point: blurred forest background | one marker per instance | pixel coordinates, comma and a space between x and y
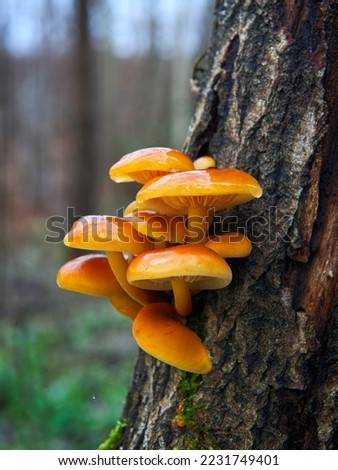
82, 82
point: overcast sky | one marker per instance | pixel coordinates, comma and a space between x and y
123, 24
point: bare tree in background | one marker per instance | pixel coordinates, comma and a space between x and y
268, 105
84, 159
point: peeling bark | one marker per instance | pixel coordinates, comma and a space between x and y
267, 104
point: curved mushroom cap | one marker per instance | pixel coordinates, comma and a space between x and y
217, 188
205, 162
89, 274
106, 233
158, 332
199, 266
230, 245
159, 207
160, 227
130, 209
144, 164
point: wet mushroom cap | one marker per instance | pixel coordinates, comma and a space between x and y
212, 188
230, 245
157, 331
88, 274
197, 265
106, 233
147, 163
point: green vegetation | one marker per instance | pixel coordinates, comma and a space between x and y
187, 387
62, 388
111, 442
189, 418
65, 360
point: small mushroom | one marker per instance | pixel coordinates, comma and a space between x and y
179, 268
160, 227
205, 162
158, 207
115, 236
196, 192
91, 275
230, 245
158, 331
144, 164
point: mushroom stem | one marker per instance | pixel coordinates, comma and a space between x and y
182, 296
125, 304
119, 267
198, 225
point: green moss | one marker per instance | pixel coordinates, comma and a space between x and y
187, 387
189, 417
111, 443
189, 422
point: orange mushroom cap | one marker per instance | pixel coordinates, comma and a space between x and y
212, 188
130, 209
144, 164
115, 236
92, 275
179, 268
230, 245
158, 332
106, 233
158, 207
88, 274
196, 192
199, 266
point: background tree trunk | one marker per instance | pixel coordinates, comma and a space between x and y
268, 105
82, 93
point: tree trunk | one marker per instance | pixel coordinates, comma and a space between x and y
84, 157
267, 105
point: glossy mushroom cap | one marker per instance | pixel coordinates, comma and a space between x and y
106, 233
212, 188
197, 265
147, 163
157, 331
115, 236
89, 274
230, 245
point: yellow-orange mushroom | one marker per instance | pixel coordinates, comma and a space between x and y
158, 331
144, 164
179, 268
194, 193
91, 275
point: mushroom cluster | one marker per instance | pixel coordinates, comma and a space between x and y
159, 254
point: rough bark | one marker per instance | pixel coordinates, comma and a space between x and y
267, 104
